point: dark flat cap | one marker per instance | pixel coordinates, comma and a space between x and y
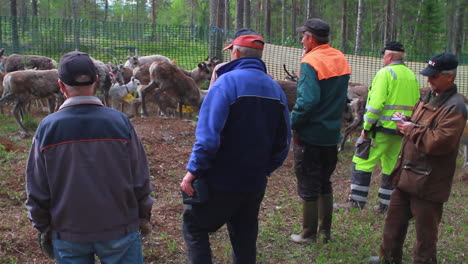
393, 45
440, 62
315, 26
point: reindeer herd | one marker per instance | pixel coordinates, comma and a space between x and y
139, 80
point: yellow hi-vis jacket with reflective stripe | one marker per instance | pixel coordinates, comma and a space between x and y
394, 89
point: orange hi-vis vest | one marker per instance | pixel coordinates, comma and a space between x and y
328, 62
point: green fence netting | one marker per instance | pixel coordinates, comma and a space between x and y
112, 42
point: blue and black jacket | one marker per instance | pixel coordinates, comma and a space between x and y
87, 174
243, 133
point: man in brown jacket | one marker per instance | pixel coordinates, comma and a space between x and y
424, 172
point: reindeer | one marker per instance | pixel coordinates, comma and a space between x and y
174, 82
17, 62
201, 73
21, 86
135, 61
290, 90
118, 92
104, 76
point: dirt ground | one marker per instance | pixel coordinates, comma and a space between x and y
168, 144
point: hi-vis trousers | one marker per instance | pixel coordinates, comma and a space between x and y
385, 148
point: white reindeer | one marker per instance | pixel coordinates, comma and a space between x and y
118, 92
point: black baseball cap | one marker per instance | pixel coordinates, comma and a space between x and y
316, 26
244, 31
77, 64
440, 62
393, 45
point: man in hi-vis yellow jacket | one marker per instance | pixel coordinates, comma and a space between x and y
394, 89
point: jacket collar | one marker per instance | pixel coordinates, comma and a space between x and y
442, 98
242, 63
77, 100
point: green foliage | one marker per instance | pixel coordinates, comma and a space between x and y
5, 156
30, 123
52, 39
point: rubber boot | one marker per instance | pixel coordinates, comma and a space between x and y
325, 213
309, 223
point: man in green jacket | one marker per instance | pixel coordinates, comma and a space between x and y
394, 89
316, 122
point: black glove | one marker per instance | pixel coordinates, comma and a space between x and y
145, 227
45, 242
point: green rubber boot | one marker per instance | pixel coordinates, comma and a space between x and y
309, 224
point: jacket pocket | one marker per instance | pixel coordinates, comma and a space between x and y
413, 177
363, 147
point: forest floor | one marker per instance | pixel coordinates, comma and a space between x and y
168, 143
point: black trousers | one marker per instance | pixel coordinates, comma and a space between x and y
314, 166
238, 210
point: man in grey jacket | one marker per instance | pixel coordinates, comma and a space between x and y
87, 176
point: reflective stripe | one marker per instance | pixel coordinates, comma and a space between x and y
392, 72
385, 118
370, 120
398, 107
358, 198
373, 110
384, 201
359, 188
385, 191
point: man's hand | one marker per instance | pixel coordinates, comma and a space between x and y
296, 139
186, 184
363, 134
45, 243
145, 227
402, 126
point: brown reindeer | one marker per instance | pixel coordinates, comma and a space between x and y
17, 62
22, 86
135, 61
171, 80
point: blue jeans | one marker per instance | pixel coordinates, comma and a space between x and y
124, 250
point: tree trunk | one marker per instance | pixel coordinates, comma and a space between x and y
311, 9
387, 21
227, 16
293, 18
283, 20
344, 18
267, 18
460, 34
247, 13
357, 45
192, 12
213, 10
239, 14
35, 10
14, 27
106, 10
76, 24
221, 11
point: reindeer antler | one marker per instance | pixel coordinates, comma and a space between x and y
292, 77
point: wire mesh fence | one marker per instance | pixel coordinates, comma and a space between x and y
112, 42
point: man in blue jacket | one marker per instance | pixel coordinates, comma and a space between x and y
87, 177
243, 135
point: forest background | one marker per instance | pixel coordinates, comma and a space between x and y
189, 30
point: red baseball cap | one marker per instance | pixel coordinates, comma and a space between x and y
247, 41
